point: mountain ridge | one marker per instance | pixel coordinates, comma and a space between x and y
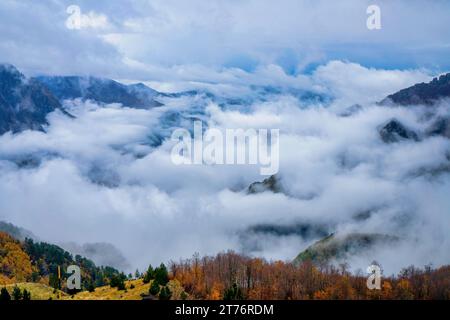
24, 103
421, 93
101, 90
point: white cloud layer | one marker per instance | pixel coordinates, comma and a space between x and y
97, 178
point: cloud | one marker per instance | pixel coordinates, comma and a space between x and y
134, 38
99, 178
36, 40
352, 82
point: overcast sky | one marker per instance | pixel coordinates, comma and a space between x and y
164, 39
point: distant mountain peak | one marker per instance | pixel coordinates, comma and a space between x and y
341, 247
24, 103
9, 77
421, 93
395, 131
7, 67
101, 90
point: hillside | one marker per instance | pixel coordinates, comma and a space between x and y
135, 290
16, 232
15, 263
38, 291
38, 262
231, 276
336, 247
34, 266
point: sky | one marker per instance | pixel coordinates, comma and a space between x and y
160, 40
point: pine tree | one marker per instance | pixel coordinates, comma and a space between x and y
165, 293
118, 281
121, 285
149, 275
26, 295
233, 293
54, 281
17, 294
4, 295
154, 288
91, 287
161, 275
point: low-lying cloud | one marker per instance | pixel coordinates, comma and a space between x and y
100, 178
